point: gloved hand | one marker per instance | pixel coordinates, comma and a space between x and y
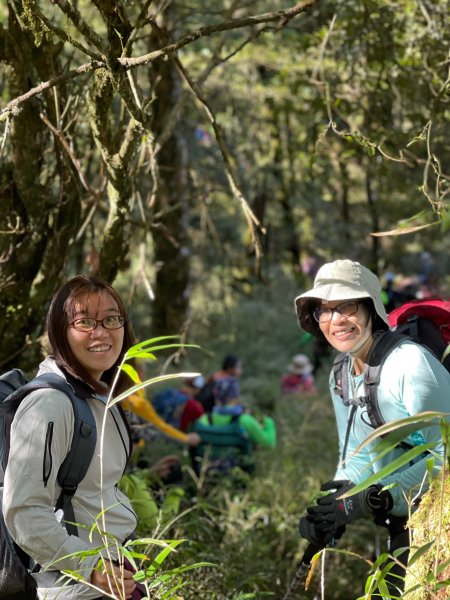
318, 535
335, 512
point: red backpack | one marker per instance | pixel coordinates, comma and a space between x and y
426, 322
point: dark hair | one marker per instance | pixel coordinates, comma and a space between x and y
230, 362
61, 313
378, 324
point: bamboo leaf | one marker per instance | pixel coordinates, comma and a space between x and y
140, 386
420, 420
404, 230
390, 468
131, 372
420, 552
446, 353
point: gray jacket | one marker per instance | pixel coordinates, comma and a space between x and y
98, 505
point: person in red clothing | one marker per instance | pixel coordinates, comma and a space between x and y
193, 409
299, 379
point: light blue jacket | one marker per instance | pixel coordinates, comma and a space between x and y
412, 380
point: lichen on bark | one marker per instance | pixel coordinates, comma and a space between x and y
431, 523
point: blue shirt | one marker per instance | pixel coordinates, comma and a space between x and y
412, 381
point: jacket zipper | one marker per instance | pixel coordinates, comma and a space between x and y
48, 459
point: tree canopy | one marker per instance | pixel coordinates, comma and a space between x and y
168, 140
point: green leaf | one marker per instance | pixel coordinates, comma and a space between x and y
420, 552
443, 566
393, 439
140, 386
139, 354
131, 372
420, 421
390, 468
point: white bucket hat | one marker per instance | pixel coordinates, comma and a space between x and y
300, 365
339, 280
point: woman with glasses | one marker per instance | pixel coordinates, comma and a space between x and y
345, 309
89, 334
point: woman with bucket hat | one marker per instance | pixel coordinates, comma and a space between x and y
345, 308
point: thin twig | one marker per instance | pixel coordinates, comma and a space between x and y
63, 35
57, 133
5, 136
72, 13
251, 218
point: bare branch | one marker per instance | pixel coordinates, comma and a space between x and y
140, 22
13, 107
63, 35
91, 36
5, 137
284, 15
58, 134
251, 218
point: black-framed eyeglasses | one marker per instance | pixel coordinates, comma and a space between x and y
322, 314
88, 324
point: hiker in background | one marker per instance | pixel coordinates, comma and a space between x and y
229, 411
172, 415
88, 333
299, 378
227, 378
192, 409
345, 308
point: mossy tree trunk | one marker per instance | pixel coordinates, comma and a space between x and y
39, 197
430, 524
170, 237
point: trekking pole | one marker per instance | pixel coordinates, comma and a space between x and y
301, 574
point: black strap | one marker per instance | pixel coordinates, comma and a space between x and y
347, 433
78, 459
383, 344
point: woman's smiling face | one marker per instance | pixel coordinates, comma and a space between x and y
96, 350
345, 332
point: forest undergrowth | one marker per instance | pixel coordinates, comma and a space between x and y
249, 529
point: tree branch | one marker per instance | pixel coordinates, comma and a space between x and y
13, 107
64, 36
251, 218
284, 15
91, 36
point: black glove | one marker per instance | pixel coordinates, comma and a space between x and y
319, 535
335, 512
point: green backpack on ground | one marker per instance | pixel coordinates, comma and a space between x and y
222, 447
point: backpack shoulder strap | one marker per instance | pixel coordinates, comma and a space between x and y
340, 373
382, 346
78, 459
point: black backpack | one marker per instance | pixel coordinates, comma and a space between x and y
415, 328
16, 583
207, 396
